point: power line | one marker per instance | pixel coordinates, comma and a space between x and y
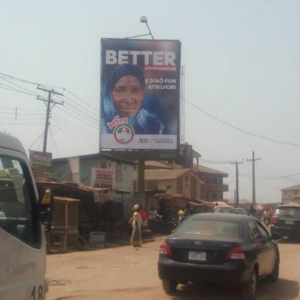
14, 108
54, 141
239, 129
35, 141
82, 114
82, 100
71, 127
91, 139
15, 90
84, 107
74, 136
14, 123
20, 87
30, 82
78, 118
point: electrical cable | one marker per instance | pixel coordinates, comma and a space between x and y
77, 118
54, 141
239, 129
75, 136
20, 86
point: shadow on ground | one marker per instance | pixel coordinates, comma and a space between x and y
282, 290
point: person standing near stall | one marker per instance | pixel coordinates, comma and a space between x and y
136, 238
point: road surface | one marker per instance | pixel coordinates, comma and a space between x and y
128, 273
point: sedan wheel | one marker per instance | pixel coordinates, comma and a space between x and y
249, 289
169, 286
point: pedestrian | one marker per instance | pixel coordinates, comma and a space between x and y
216, 206
181, 214
144, 215
252, 211
267, 217
153, 217
136, 238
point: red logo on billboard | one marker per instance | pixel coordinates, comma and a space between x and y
124, 134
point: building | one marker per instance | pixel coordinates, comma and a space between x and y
213, 187
79, 170
291, 194
174, 182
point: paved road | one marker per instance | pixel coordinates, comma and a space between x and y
126, 273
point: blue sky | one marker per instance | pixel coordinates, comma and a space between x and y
241, 59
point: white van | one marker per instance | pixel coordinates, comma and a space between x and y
22, 234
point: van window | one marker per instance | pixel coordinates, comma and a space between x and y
18, 215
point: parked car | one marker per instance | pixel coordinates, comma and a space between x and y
224, 209
239, 211
286, 221
228, 249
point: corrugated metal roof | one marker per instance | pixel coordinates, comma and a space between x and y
156, 164
204, 169
292, 188
164, 174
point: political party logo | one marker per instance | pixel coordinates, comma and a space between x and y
124, 134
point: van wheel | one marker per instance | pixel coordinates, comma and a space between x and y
275, 274
249, 289
169, 286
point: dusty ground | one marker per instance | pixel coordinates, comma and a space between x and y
126, 273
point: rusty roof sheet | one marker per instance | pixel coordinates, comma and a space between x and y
156, 164
292, 188
164, 174
203, 169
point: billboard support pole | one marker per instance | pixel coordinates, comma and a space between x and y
141, 175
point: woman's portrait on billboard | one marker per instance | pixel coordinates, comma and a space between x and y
124, 96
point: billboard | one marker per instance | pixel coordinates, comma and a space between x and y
102, 178
41, 165
140, 94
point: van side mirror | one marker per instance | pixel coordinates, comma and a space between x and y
46, 207
275, 237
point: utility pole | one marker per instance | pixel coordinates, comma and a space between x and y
48, 103
253, 177
236, 163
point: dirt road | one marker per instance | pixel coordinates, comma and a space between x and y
126, 273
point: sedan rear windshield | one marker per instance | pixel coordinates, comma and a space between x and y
209, 228
292, 212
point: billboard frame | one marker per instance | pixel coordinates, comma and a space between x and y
139, 152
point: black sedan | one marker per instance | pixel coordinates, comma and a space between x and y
286, 221
229, 249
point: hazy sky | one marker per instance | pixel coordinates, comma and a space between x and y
242, 66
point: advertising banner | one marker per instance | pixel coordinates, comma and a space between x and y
41, 165
140, 94
102, 178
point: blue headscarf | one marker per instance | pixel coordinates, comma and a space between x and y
143, 122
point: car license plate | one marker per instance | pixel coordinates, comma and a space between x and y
289, 222
193, 255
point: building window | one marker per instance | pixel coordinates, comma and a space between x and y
208, 180
168, 187
215, 181
295, 193
220, 180
187, 179
285, 192
215, 195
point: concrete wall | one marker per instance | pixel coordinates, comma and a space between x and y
288, 196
